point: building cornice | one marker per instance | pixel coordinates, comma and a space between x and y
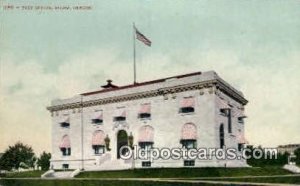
219, 85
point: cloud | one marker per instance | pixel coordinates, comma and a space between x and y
27, 88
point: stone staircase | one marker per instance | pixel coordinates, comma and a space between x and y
117, 164
60, 174
292, 168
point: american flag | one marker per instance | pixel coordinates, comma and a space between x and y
142, 38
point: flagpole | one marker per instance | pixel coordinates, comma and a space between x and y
134, 54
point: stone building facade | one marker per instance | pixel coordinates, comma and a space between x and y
197, 110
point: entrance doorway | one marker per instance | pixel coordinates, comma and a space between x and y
122, 140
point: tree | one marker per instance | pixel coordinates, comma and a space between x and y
44, 160
266, 158
297, 153
16, 156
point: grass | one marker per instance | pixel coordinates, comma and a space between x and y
177, 173
16, 182
185, 172
287, 179
27, 174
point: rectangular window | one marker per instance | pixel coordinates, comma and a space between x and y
145, 115
65, 125
66, 151
229, 121
97, 121
224, 112
119, 118
187, 110
241, 120
187, 105
65, 166
240, 146
99, 149
146, 145
188, 144
189, 163
146, 164
145, 111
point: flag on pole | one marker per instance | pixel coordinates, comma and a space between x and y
142, 38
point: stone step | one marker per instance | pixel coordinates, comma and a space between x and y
292, 168
60, 174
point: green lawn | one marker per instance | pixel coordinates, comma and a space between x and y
15, 182
185, 172
27, 174
290, 179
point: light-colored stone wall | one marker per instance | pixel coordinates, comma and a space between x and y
165, 119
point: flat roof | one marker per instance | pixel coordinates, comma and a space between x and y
140, 84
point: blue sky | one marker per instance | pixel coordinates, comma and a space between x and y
254, 45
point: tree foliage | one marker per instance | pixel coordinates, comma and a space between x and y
297, 153
44, 161
266, 159
18, 155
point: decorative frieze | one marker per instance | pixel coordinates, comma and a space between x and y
212, 85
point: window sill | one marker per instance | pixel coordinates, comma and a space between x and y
189, 113
97, 124
98, 154
145, 119
65, 156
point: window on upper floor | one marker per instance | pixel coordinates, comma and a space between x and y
119, 118
144, 115
65, 121
187, 110
187, 105
120, 115
240, 120
65, 125
145, 111
97, 121
224, 112
97, 118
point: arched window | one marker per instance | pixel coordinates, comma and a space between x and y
98, 143
188, 140
146, 135
65, 146
221, 136
188, 136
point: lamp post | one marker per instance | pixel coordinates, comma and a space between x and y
107, 141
